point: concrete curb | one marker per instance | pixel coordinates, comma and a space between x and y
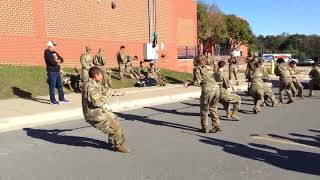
17, 123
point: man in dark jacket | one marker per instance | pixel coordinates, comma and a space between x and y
53, 61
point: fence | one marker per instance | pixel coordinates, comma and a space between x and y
187, 52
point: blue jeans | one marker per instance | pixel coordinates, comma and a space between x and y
54, 80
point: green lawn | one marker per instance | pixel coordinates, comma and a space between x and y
16, 81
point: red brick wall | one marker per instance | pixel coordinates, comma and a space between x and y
27, 25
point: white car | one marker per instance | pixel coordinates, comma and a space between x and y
308, 61
295, 60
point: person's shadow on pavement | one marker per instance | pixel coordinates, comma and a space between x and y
55, 136
292, 160
148, 120
27, 95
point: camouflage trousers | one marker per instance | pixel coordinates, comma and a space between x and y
298, 88
122, 69
313, 84
106, 77
108, 123
194, 78
85, 76
233, 72
260, 94
209, 103
227, 98
288, 87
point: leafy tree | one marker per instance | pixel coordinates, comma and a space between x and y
239, 32
203, 22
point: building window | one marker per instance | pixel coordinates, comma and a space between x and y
187, 52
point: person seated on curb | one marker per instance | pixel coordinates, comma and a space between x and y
315, 79
226, 97
96, 113
296, 83
129, 72
154, 76
142, 71
259, 90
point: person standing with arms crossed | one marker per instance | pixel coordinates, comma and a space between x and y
53, 61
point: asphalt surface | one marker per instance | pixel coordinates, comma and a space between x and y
280, 143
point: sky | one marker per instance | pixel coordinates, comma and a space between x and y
273, 17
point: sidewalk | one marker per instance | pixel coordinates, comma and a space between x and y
21, 113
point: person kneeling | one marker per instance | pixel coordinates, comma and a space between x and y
226, 97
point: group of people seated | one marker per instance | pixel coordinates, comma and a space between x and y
143, 76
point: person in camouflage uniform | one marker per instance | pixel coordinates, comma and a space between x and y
129, 72
315, 78
210, 94
296, 83
250, 66
154, 73
196, 63
259, 90
233, 68
211, 61
94, 102
226, 97
99, 61
122, 61
285, 81
86, 62
142, 71
249, 58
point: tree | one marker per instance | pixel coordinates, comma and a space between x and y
203, 22
239, 32
218, 28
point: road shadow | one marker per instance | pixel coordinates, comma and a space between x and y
55, 136
314, 143
292, 160
144, 119
28, 96
312, 130
246, 111
174, 111
172, 80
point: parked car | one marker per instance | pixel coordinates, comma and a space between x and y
308, 62
295, 60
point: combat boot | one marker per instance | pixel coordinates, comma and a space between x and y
215, 129
204, 130
123, 149
235, 115
229, 114
290, 101
275, 103
256, 110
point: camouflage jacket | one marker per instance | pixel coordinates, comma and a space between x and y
282, 70
99, 60
154, 73
293, 72
86, 61
204, 75
219, 77
122, 57
233, 62
258, 75
93, 101
314, 73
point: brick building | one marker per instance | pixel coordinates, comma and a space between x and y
27, 25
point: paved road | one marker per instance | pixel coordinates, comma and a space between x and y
280, 143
